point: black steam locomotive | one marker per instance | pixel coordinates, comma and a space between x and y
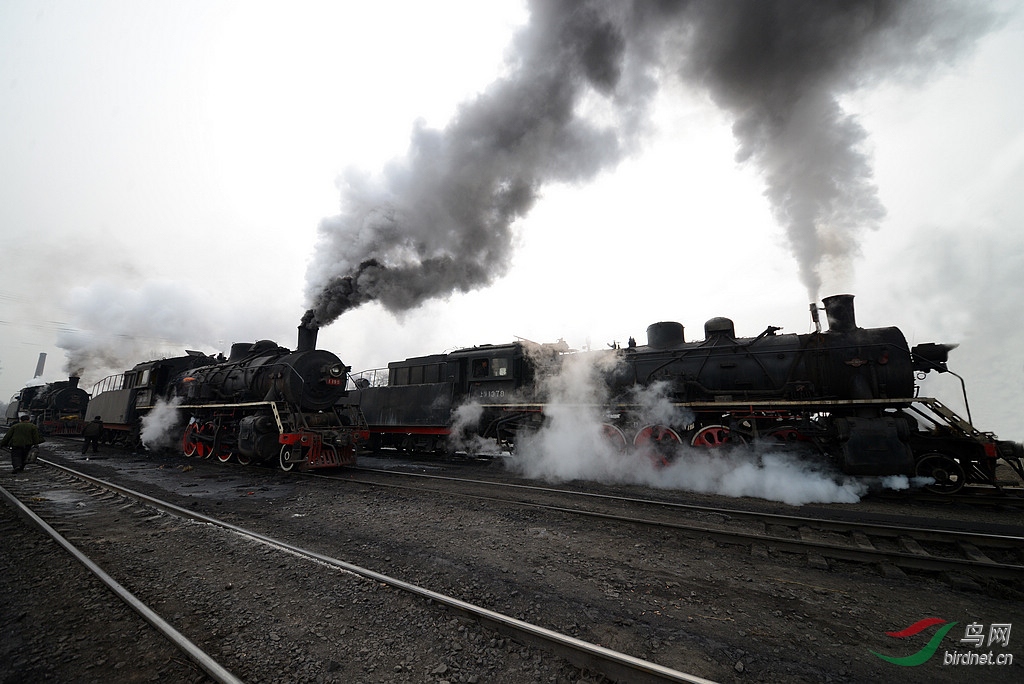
56, 407
264, 403
847, 393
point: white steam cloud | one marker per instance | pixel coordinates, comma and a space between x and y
121, 326
573, 444
161, 426
464, 435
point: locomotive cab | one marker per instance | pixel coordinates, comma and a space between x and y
490, 374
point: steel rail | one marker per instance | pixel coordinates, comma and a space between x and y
210, 666
836, 551
615, 665
879, 529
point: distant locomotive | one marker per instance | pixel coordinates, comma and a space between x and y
264, 403
848, 393
56, 407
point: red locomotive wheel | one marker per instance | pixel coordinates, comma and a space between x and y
663, 441
656, 434
188, 440
712, 436
205, 440
614, 437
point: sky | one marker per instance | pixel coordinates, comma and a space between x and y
193, 174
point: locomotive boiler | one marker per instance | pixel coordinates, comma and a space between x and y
838, 387
308, 378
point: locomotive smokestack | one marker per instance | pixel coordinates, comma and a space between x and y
308, 329
839, 311
73, 382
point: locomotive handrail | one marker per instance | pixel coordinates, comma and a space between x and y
108, 384
742, 403
229, 404
375, 376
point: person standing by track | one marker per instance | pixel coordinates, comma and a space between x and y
92, 433
21, 437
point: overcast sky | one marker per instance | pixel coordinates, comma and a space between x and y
166, 166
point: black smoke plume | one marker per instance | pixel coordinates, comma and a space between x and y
574, 101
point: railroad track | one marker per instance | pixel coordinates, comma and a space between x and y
1004, 497
956, 553
63, 522
614, 665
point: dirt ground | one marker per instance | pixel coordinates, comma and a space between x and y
722, 612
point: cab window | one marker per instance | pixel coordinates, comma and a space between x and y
432, 373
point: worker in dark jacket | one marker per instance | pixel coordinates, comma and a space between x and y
21, 437
92, 433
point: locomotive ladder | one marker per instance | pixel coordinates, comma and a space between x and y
951, 418
987, 439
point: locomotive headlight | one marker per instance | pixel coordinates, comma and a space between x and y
336, 371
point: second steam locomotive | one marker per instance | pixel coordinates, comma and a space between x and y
264, 403
847, 394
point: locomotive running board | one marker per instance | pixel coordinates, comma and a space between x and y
899, 402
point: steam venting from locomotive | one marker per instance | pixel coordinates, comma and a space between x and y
572, 445
439, 220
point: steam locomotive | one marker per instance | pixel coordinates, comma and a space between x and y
57, 408
847, 394
263, 403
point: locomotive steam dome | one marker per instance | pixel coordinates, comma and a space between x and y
719, 327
